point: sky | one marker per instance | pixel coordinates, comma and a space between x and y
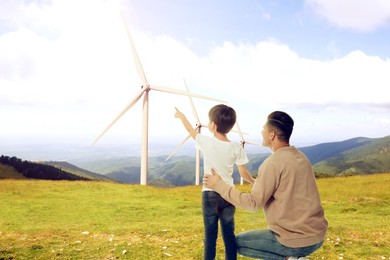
67, 70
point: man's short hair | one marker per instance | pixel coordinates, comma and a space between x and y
282, 124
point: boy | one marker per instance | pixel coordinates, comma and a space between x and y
219, 153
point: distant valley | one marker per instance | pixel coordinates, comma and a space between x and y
350, 157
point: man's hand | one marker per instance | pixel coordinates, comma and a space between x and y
210, 181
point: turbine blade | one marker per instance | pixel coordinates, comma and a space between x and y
135, 99
137, 61
178, 147
253, 143
239, 131
236, 131
192, 104
184, 93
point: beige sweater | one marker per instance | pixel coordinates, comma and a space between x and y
286, 190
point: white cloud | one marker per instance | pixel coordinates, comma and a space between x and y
272, 69
73, 76
361, 15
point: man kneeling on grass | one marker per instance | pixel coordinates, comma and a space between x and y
286, 189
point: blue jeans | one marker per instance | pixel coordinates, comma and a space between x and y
263, 244
216, 208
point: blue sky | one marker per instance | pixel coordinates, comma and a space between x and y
66, 67
299, 24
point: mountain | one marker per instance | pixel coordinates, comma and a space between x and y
325, 151
178, 171
9, 172
65, 166
357, 156
126, 175
13, 167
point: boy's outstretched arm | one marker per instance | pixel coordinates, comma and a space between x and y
245, 174
186, 123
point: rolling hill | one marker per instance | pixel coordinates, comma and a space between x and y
359, 156
325, 151
15, 168
354, 156
65, 166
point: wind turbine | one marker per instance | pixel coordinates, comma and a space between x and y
145, 88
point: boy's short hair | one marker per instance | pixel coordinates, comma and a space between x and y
224, 117
282, 123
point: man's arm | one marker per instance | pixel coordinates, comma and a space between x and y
252, 201
187, 125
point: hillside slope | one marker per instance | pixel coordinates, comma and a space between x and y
325, 151
8, 172
77, 171
370, 156
16, 168
358, 155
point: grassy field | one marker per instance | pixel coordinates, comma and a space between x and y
99, 220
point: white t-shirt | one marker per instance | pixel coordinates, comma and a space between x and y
221, 156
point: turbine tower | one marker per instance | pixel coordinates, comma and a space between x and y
145, 89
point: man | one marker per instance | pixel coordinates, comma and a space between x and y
286, 190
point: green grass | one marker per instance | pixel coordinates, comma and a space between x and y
102, 220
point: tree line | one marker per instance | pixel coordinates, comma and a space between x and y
37, 170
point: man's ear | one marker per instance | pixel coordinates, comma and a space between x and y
272, 135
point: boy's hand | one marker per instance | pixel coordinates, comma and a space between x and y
186, 123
